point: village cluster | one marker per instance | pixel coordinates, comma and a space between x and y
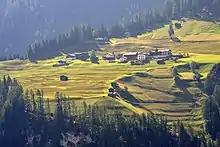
135, 58
141, 58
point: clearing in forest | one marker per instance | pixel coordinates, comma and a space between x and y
157, 93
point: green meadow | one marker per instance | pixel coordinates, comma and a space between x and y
156, 94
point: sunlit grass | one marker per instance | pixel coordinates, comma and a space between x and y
90, 82
85, 79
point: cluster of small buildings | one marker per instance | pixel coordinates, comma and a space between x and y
140, 56
73, 56
77, 56
136, 58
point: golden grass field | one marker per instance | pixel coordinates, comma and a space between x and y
157, 95
90, 82
87, 80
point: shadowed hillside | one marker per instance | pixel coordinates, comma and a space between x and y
24, 21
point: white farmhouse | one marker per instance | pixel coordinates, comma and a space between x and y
141, 56
160, 54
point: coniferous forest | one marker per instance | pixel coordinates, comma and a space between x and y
173, 9
27, 120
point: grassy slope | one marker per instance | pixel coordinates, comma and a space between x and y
86, 80
91, 81
190, 29
197, 37
157, 95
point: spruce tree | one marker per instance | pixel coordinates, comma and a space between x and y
34, 104
216, 94
101, 32
48, 106
15, 111
93, 57
183, 135
209, 84
40, 102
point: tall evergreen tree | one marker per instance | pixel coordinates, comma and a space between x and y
216, 94
14, 111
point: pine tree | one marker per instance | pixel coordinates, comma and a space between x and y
9, 80
93, 57
85, 108
48, 106
116, 31
83, 33
183, 135
101, 32
34, 104
59, 122
59, 112
171, 30
176, 9
65, 107
40, 101
69, 108
174, 72
15, 110
89, 33
218, 140
168, 10
216, 94
76, 36
209, 84
193, 65
207, 113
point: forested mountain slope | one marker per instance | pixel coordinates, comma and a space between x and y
23, 21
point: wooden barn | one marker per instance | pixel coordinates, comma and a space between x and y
109, 56
131, 56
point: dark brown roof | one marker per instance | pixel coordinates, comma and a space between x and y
130, 54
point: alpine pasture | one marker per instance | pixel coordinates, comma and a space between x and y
157, 94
